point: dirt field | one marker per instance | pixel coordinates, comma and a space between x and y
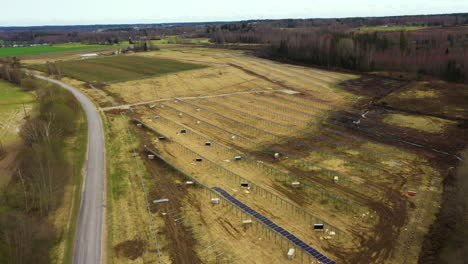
412, 98
353, 158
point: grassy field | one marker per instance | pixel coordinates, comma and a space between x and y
12, 99
396, 28
127, 217
12, 117
11, 95
175, 39
22, 51
181, 40
230, 72
423, 123
120, 68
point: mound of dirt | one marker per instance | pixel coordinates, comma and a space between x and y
130, 249
372, 85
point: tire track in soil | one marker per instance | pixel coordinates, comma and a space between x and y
181, 246
391, 210
392, 215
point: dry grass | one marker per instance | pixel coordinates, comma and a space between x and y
221, 78
331, 161
206, 174
275, 211
424, 123
127, 216
250, 74
436, 98
15, 105
222, 232
211, 81
220, 157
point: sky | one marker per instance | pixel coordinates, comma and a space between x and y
86, 12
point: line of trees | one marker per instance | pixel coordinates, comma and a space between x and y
11, 70
143, 46
104, 37
37, 186
440, 52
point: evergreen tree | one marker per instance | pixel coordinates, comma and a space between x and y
403, 42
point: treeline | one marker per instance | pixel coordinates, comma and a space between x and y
441, 52
143, 46
106, 37
11, 70
112, 34
37, 186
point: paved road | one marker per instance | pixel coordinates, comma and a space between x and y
89, 233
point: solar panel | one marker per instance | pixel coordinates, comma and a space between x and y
299, 243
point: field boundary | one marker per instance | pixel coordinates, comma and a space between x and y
127, 106
154, 75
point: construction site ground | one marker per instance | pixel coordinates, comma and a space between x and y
353, 158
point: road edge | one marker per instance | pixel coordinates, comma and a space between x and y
102, 239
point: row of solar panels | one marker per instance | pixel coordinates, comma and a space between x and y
296, 241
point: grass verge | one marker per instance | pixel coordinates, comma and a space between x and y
79, 156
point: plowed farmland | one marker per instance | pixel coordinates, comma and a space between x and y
118, 68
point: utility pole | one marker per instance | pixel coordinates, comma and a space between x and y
2, 151
24, 110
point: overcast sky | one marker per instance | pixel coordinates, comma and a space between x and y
72, 12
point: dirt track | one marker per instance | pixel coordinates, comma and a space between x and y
181, 243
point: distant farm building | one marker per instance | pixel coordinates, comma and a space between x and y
87, 56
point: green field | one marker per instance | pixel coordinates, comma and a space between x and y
22, 51
11, 95
11, 110
398, 28
119, 68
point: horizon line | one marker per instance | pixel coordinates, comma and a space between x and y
233, 21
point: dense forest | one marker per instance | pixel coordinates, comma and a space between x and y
439, 51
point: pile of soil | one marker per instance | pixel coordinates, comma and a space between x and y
131, 249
